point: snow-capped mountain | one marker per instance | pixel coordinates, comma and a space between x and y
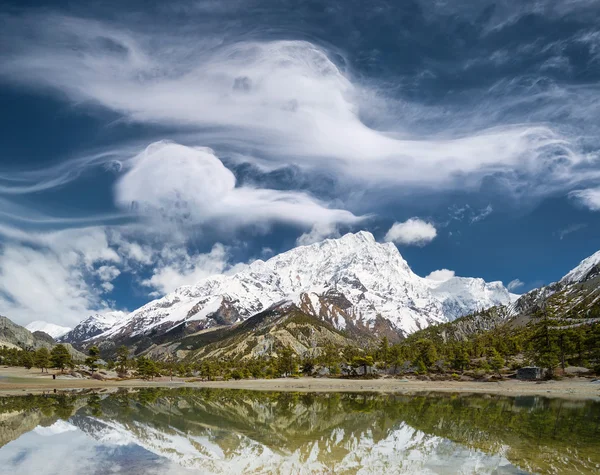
567, 293
352, 280
92, 326
55, 331
463, 295
407, 449
586, 270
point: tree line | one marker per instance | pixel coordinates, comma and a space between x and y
547, 341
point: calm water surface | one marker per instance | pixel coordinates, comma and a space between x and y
188, 431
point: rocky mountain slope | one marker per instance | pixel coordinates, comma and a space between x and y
353, 283
572, 301
16, 336
262, 335
575, 296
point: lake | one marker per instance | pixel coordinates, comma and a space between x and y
188, 431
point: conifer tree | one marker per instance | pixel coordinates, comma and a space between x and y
60, 357
122, 359
543, 343
42, 359
496, 361
92, 359
286, 366
27, 359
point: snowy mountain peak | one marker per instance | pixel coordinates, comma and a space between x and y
51, 329
92, 326
583, 270
349, 281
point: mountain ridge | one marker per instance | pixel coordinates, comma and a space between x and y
353, 282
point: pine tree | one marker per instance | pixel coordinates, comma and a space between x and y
60, 357
42, 359
286, 366
363, 361
543, 343
27, 359
383, 351
461, 359
92, 359
122, 359
496, 361
147, 368
427, 352
330, 358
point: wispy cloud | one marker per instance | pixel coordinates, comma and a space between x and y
482, 214
570, 229
286, 99
589, 197
515, 284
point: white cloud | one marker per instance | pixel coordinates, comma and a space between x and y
285, 99
440, 275
414, 231
52, 275
63, 276
590, 198
108, 273
515, 284
317, 234
176, 268
190, 185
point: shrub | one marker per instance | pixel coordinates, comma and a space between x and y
236, 374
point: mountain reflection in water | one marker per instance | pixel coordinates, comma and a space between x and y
173, 431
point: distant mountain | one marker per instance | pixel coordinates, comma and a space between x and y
92, 326
587, 269
353, 283
573, 296
572, 301
16, 336
51, 329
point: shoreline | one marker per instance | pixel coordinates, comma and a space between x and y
575, 388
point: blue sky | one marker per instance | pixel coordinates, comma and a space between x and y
145, 147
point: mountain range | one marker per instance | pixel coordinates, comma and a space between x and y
345, 291
353, 286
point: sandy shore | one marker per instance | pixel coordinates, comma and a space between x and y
15, 381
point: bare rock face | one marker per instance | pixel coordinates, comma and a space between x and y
16, 336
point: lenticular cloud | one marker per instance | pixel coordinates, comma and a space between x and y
287, 101
190, 185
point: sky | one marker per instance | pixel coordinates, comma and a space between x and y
146, 146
